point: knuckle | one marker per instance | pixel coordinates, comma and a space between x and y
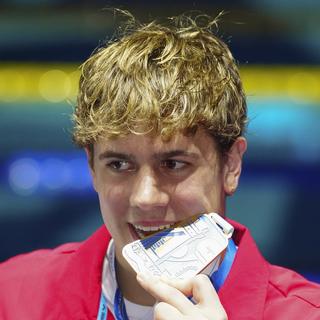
158, 309
201, 279
166, 290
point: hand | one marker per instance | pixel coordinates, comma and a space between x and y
172, 301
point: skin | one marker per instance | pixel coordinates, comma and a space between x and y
172, 302
142, 180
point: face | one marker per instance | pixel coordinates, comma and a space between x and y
145, 184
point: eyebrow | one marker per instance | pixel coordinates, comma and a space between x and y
159, 155
112, 154
175, 153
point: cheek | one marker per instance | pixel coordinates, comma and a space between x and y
200, 194
113, 202
187, 202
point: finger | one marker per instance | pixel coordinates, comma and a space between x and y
185, 286
164, 311
204, 293
199, 287
163, 292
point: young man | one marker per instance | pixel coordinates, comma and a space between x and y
161, 114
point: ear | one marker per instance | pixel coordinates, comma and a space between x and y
90, 160
232, 165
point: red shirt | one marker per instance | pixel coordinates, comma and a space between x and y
65, 283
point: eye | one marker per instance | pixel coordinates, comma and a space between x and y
120, 165
173, 164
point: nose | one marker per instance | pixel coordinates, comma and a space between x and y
147, 193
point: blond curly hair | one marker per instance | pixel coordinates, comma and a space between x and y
161, 79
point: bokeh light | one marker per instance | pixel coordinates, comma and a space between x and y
49, 173
55, 86
24, 176
55, 174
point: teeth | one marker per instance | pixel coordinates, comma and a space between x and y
152, 228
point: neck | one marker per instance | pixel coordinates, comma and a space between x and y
130, 288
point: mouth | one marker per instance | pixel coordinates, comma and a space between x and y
145, 231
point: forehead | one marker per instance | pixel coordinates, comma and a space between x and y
200, 143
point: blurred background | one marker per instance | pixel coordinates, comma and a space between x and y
46, 197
